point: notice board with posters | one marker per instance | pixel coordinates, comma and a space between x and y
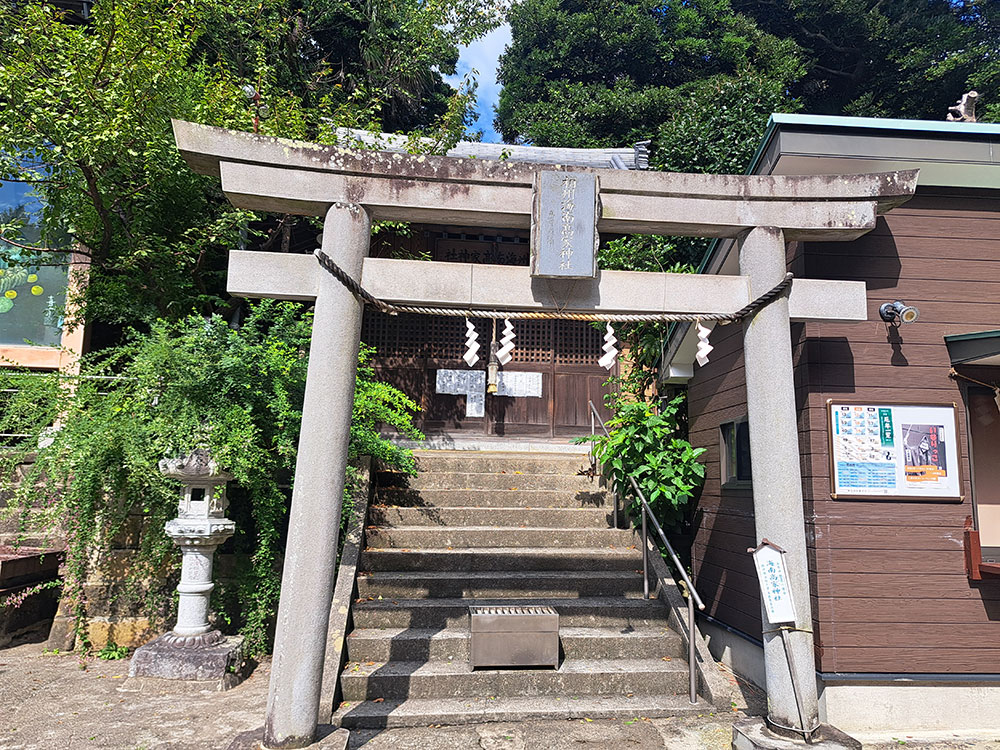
898, 451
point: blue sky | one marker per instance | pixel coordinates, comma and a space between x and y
481, 56
14, 194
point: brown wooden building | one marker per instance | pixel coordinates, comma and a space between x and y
907, 630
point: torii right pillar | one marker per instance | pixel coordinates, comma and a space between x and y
774, 460
789, 663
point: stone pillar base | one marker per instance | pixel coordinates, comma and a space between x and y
209, 662
753, 734
328, 737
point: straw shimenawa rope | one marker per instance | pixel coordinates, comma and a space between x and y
722, 318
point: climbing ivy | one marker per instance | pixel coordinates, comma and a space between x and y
184, 384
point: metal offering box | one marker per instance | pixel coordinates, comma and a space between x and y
514, 637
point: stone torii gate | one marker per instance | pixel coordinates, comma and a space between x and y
351, 189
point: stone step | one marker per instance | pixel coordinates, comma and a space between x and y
494, 584
420, 537
587, 612
506, 498
489, 462
575, 677
452, 644
564, 518
502, 558
421, 712
448, 480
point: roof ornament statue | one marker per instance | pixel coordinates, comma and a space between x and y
964, 110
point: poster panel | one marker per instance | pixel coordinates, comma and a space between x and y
894, 451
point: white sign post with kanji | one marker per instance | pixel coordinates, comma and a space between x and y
776, 598
775, 593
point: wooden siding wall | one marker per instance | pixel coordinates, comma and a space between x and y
889, 585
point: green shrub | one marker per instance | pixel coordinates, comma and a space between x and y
195, 382
643, 444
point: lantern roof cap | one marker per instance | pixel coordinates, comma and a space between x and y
197, 465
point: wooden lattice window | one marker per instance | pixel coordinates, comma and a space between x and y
394, 335
577, 343
533, 342
446, 337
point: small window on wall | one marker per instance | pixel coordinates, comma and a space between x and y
734, 452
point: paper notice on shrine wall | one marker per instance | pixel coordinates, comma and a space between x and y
520, 384
475, 405
468, 383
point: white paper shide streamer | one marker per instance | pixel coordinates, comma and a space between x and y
506, 343
704, 348
610, 352
471, 355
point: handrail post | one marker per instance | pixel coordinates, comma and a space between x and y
614, 505
593, 433
645, 559
692, 681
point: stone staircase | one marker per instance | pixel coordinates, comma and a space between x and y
476, 528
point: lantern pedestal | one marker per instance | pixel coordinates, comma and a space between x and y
193, 654
167, 664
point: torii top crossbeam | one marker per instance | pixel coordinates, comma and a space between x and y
271, 174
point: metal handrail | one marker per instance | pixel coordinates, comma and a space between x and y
693, 598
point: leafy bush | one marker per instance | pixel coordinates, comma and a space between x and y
112, 652
644, 445
195, 382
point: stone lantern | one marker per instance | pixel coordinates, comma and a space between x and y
193, 651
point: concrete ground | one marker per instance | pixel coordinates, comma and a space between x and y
50, 701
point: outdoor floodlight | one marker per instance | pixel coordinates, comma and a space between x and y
891, 312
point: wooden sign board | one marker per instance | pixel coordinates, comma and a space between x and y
897, 451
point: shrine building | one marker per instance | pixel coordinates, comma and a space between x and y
558, 357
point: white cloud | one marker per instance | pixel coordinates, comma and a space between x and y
482, 56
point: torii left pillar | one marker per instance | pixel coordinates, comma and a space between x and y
314, 519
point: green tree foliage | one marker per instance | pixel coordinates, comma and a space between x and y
888, 58
609, 72
85, 118
185, 384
